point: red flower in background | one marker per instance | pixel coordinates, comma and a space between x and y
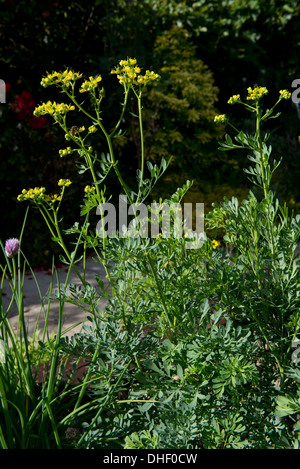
37, 122
24, 106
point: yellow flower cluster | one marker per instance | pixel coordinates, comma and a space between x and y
92, 129
36, 194
89, 190
256, 93
64, 182
65, 78
220, 118
147, 78
215, 244
128, 73
53, 109
90, 84
285, 94
65, 152
53, 198
234, 99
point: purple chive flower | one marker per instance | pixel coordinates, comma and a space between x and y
12, 246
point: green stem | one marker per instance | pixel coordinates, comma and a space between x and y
259, 142
107, 136
160, 292
104, 241
142, 145
54, 361
116, 169
122, 114
52, 377
7, 419
108, 396
266, 188
279, 364
53, 423
72, 97
54, 221
70, 258
87, 376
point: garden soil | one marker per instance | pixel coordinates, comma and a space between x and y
37, 290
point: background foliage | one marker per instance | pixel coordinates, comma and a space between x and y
205, 50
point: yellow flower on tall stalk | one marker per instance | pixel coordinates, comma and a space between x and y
285, 94
66, 78
37, 194
147, 78
64, 182
128, 73
256, 93
221, 118
50, 79
53, 108
90, 84
234, 99
53, 198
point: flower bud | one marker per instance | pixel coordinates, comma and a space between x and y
12, 246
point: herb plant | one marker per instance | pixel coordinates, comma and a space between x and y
194, 347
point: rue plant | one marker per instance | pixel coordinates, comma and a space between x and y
263, 236
133, 81
193, 349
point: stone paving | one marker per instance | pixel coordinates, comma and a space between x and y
34, 298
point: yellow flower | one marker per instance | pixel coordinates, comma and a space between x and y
68, 77
65, 152
285, 94
128, 73
53, 108
50, 79
64, 182
92, 129
234, 99
37, 194
256, 93
53, 198
65, 78
90, 84
124, 63
89, 190
215, 244
147, 78
220, 118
